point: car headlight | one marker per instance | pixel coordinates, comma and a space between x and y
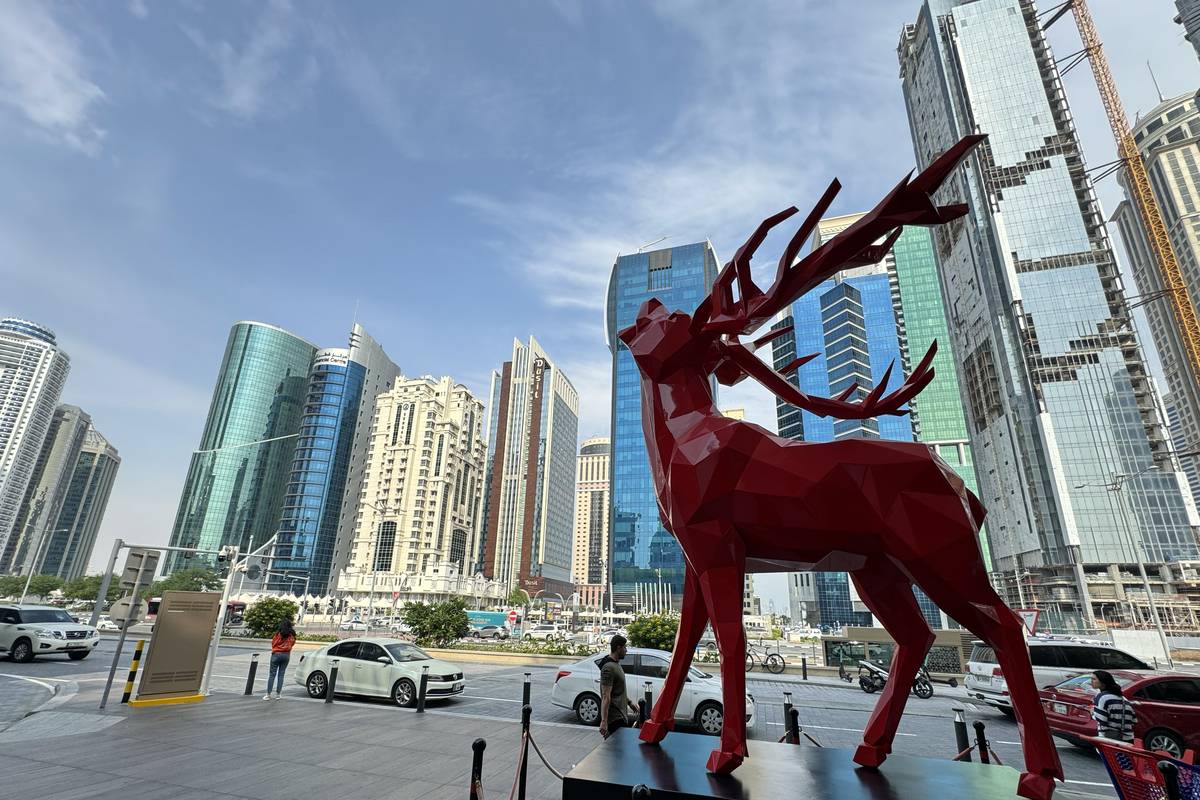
92, 633
44, 633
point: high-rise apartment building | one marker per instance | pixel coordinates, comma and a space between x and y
320, 503
239, 472
32, 373
1179, 441
642, 549
589, 558
419, 502
1168, 138
1189, 18
1058, 397
73, 536
533, 419
38, 516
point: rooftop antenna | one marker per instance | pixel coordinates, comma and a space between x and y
651, 244
1156, 88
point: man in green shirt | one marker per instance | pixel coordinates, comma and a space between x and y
613, 697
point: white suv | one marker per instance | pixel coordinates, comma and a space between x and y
547, 633
1054, 660
27, 631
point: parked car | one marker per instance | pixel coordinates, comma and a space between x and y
490, 632
577, 687
400, 628
28, 630
353, 625
378, 667
105, 623
545, 632
1054, 661
1167, 706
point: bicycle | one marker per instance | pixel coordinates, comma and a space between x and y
771, 662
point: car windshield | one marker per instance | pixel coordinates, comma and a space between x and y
407, 652
45, 615
1083, 683
698, 674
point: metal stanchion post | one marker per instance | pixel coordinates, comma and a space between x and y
787, 717
477, 769
1170, 774
794, 725
333, 667
526, 713
982, 743
133, 668
421, 690
250, 675
803, 668
641, 718
527, 689
961, 741
648, 693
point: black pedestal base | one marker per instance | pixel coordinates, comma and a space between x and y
675, 769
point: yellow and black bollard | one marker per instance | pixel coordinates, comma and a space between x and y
133, 668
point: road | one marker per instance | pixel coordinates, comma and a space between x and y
833, 714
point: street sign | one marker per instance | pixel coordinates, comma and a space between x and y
252, 567
1029, 618
395, 596
128, 611
140, 566
512, 617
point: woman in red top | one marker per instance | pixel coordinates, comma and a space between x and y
281, 652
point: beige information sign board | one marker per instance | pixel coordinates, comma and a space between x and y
179, 646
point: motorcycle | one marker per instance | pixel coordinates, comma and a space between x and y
872, 678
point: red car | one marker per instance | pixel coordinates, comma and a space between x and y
1167, 705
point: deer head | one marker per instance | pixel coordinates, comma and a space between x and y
663, 342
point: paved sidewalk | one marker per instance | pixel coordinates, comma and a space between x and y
20, 696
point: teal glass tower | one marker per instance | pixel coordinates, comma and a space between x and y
642, 550
238, 474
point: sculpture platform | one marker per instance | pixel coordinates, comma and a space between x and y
675, 769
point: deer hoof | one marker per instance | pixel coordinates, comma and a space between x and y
1035, 787
722, 762
654, 732
870, 755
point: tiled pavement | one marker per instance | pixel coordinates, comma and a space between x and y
18, 697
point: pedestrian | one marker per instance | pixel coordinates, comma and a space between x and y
281, 652
1115, 717
613, 697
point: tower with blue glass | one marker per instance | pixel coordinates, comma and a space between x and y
643, 552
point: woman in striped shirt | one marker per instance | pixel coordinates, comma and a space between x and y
1114, 715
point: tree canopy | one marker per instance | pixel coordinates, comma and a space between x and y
437, 624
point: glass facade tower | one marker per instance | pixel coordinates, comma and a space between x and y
641, 549
73, 537
1058, 397
239, 473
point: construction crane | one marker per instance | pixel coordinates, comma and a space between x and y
1139, 186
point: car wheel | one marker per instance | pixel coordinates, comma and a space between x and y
78, 655
404, 693
710, 718
587, 708
529, 637
495, 636
1159, 740
22, 651
1007, 711
317, 684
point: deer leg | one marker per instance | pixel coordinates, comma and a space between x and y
692, 619
981, 610
723, 587
888, 593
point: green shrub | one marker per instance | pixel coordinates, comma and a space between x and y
439, 624
263, 618
656, 631
317, 637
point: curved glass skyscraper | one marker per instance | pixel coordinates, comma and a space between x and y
235, 484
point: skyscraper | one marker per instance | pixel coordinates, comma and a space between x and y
589, 559
533, 413
328, 461
238, 475
680, 277
32, 373
1189, 18
47, 489
419, 512
1058, 397
73, 536
1168, 138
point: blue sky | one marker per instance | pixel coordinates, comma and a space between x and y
461, 173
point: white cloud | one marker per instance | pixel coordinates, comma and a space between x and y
43, 75
129, 384
139, 8
249, 75
592, 379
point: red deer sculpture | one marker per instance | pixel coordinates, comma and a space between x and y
739, 499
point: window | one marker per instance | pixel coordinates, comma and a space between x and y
407, 652
45, 615
370, 652
344, 650
651, 667
1091, 658
1047, 656
1173, 691
9, 616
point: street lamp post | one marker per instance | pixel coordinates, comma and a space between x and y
1118, 485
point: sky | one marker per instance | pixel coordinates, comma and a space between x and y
453, 175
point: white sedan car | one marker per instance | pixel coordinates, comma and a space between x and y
577, 687
378, 668
353, 625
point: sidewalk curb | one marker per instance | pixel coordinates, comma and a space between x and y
60, 693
